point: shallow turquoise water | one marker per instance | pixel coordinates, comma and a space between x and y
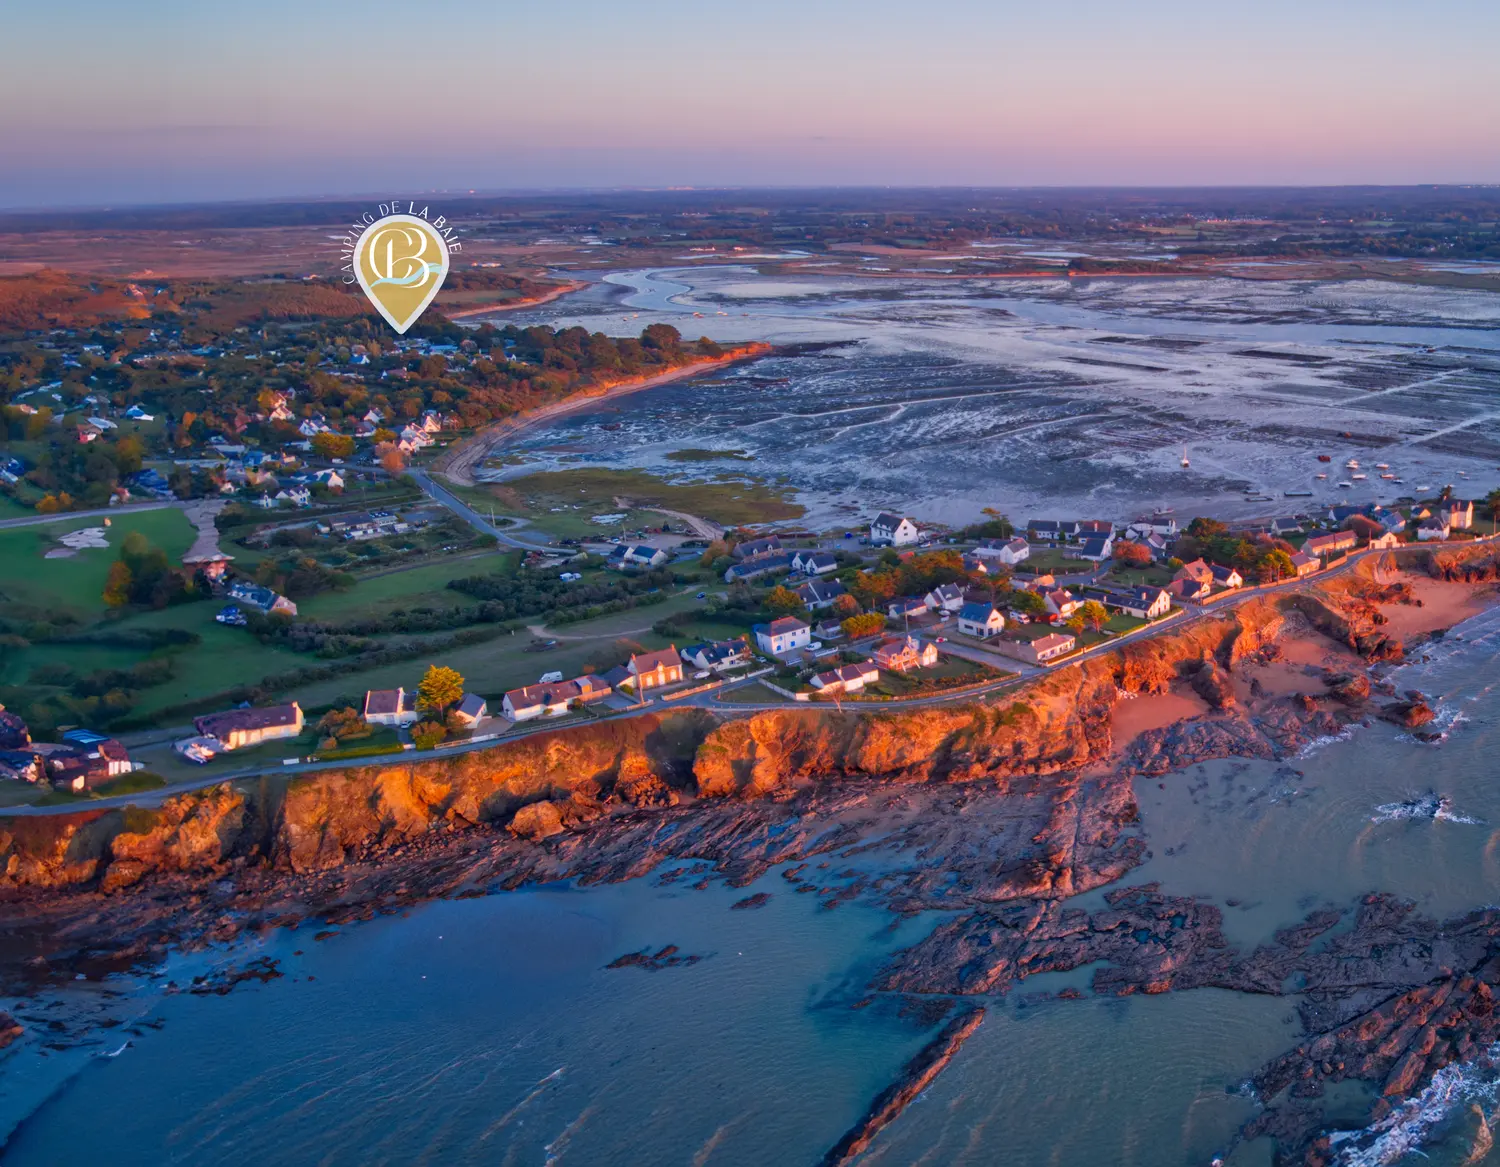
489, 1031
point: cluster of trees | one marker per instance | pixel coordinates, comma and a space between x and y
300, 576
530, 593
142, 575
1265, 560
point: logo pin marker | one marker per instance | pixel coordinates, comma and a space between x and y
401, 262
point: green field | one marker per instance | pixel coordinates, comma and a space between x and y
729, 501
77, 582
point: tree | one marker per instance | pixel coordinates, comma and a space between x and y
1446, 493
661, 336
1205, 528
1131, 554
782, 601
345, 724
1094, 614
392, 460
333, 445
426, 734
1075, 623
1026, 602
441, 688
117, 584
1275, 565
867, 624
1492, 504
846, 605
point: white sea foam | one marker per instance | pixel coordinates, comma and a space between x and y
1435, 807
1410, 1125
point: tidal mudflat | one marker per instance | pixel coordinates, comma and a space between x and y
1053, 397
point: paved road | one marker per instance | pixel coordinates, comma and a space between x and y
710, 700
103, 513
446, 498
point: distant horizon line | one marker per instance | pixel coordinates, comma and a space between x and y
676, 188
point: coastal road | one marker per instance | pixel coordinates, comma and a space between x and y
446, 498
128, 508
711, 700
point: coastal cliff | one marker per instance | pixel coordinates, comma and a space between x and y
550, 784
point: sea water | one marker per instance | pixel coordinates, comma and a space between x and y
490, 1031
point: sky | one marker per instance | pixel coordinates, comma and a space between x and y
167, 101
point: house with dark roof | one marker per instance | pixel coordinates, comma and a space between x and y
1226, 577
77, 767
718, 655
753, 547
261, 598
471, 709
238, 728
814, 562
634, 556
817, 594
980, 619
21, 766
777, 561
1007, 551
1097, 548
849, 678
894, 530
783, 636
390, 707
14, 734
906, 607
946, 598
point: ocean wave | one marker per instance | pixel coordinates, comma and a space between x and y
1411, 1124
1436, 807
1320, 743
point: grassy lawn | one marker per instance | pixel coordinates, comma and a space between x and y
1157, 577
950, 672
752, 694
1055, 560
11, 509
78, 581
728, 500
1120, 623
136, 783
414, 587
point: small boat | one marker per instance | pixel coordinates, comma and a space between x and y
1389, 477
1346, 485
1359, 477
1352, 464
1297, 494
1324, 458
1185, 462
1382, 465
1320, 476
1424, 488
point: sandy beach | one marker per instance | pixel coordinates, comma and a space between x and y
459, 463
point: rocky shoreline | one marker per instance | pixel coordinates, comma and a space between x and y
995, 813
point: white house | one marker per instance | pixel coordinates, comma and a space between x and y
847, 678
817, 594
908, 607
1433, 528
717, 655
981, 619
471, 710
814, 562
1062, 603
1007, 551
893, 529
948, 597
390, 707
782, 636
